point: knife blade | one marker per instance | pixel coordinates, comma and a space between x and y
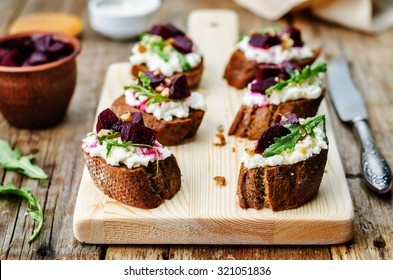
350, 107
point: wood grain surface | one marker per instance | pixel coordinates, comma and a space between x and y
59, 148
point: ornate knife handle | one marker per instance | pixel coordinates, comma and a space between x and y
375, 169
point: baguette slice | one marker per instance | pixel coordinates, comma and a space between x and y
169, 133
240, 71
250, 121
193, 77
281, 187
140, 187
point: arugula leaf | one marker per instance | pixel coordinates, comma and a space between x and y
13, 160
34, 209
146, 90
297, 132
296, 76
183, 62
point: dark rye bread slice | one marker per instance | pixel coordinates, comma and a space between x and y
193, 77
140, 187
250, 122
169, 133
240, 71
281, 187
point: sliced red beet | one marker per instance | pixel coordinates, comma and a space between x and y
179, 88
117, 126
182, 44
36, 58
272, 41
155, 80
276, 130
138, 134
295, 35
106, 119
267, 71
137, 117
258, 40
262, 86
166, 30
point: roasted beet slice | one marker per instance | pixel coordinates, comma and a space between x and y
267, 71
137, 117
106, 119
166, 30
182, 44
155, 80
262, 86
258, 40
295, 35
138, 134
42, 43
276, 129
117, 126
10, 58
179, 88
36, 58
272, 41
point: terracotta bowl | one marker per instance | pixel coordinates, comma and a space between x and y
38, 96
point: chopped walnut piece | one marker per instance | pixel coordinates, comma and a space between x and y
286, 41
142, 48
233, 149
167, 82
159, 88
220, 180
126, 117
219, 140
220, 128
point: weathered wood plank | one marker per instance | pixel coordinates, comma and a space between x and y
181, 252
137, 252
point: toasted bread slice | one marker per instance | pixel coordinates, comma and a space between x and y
169, 133
281, 187
140, 187
240, 71
250, 122
193, 77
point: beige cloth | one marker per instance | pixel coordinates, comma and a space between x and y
365, 15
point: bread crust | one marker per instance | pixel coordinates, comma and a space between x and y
169, 133
281, 187
250, 122
193, 77
140, 187
240, 71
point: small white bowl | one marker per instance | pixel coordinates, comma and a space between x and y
122, 19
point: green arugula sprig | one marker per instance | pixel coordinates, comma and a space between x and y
298, 132
162, 49
111, 141
13, 160
296, 76
144, 89
34, 209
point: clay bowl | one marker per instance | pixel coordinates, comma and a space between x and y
36, 97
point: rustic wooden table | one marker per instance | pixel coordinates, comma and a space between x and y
59, 148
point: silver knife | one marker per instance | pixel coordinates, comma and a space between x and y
350, 107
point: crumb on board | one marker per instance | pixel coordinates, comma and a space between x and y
219, 140
220, 128
220, 180
233, 149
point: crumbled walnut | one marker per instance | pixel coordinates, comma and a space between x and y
167, 82
220, 180
159, 88
233, 149
165, 92
142, 48
103, 132
250, 148
157, 72
126, 117
219, 140
286, 41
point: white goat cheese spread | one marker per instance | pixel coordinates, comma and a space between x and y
308, 89
304, 149
130, 156
166, 110
153, 61
275, 54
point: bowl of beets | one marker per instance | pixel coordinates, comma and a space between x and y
37, 78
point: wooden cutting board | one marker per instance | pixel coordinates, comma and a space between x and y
203, 212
